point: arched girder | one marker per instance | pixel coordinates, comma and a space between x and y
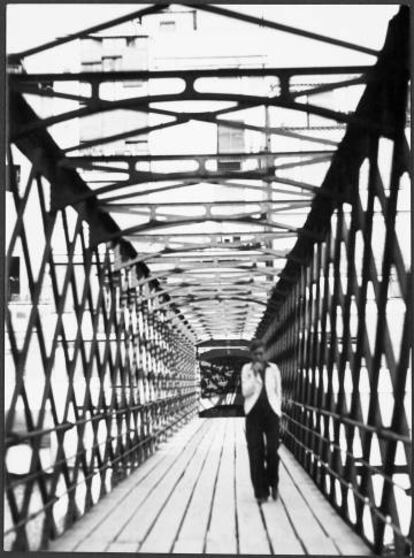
129, 208
32, 86
220, 285
173, 217
140, 178
194, 290
218, 10
221, 298
142, 104
181, 184
92, 164
165, 215
151, 225
180, 119
230, 285
284, 73
185, 301
234, 246
195, 272
131, 160
150, 177
153, 8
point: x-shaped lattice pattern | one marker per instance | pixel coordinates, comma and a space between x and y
342, 331
111, 374
96, 373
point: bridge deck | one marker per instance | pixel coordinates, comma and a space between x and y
194, 496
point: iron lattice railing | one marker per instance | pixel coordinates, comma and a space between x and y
96, 372
341, 330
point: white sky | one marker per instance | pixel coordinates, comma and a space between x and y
347, 22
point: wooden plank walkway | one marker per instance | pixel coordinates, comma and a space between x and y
194, 496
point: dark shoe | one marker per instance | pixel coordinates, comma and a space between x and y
275, 492
262, 500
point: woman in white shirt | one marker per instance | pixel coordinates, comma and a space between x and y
262, 392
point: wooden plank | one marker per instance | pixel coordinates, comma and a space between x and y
122, 547
252, 533
196, 489
306, 526
70, 540
164, 532
103, 534
221, 534
280, 530
191, 537
348, 542
282, 537
158, 494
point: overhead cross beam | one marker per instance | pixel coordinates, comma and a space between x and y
137, 14
262, 160
198, 259
154, 224
239, 16
130, 207
284, 73
145, 104
131, 160
192, 179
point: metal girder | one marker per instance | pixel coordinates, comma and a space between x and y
100, 222
165, 216
342, 425
186, 289
225, 284
132, 160
172, 238
202, 269
123, 208
147, 323
145, 104
137, 14
140, 178
343, 170
224, 182
156, 224
152, 212
238, 247
224, 261
193, 74
77, 162
186, 300
218, 10
222, 343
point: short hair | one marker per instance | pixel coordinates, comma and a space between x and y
256, 344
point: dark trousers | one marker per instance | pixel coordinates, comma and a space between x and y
262, 435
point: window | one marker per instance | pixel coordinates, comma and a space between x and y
91, 66
137, 145
229, 140
111, 63
167, 26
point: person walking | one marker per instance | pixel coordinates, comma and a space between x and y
262, 392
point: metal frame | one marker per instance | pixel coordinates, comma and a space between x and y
310, 333
145, 368
145, 320
270, 170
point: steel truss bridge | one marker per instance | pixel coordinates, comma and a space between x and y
121, 342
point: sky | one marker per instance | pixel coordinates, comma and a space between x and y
348, 22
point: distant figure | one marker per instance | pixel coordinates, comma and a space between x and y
262, 392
